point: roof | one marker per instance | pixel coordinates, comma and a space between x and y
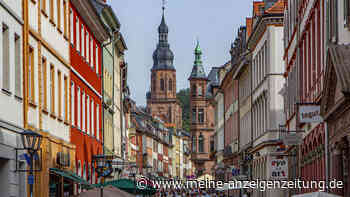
163, 57
197, 69
256, 8
339, 55
276, 8
213, 78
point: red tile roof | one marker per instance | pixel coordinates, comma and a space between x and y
277, 8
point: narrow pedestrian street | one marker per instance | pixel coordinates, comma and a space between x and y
200, 98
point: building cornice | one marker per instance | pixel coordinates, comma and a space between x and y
260, 27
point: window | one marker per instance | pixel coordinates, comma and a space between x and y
155, 146
201, 143
346, 12
31, 75
170, 84
87, 47
194, 115
51, 11
58, 15
200, 91
92, 117
5, 58
88, 115
52, 88
201, 116
169, 114
194, 90
65, 103
18, 66
72, 96
59, 94
194, 143
82, 41
97, 60
79, 108
91, 52
162, 84
97, 121
77, 34
44, 83
43, 5
65, 25
83, 128
71, 26
333, 20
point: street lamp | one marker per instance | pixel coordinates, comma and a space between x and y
31, 142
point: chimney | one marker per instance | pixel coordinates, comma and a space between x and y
269, 3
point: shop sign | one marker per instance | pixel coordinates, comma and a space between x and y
278, 168
30, 179
310, 113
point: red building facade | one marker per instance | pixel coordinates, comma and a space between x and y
86, 86
305, 49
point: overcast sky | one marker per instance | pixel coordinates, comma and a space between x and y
214, 22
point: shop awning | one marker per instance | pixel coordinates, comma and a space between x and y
71, 176
316, 194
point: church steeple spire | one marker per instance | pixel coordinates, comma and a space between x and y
198, 70
163, 57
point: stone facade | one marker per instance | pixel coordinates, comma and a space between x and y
202, 116
161, 100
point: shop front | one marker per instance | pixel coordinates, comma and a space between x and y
55, 176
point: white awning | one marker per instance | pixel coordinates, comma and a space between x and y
316, 194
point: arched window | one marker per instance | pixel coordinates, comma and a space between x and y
201, 143
194, 144
194, 90
170, 84
162, 84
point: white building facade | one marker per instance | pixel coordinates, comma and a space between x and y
11, 98
267, 102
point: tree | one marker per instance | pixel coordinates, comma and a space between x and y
184, 98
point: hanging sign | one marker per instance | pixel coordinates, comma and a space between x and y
310, 113
278, 168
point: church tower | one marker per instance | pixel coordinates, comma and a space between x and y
202, 117
161, 100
